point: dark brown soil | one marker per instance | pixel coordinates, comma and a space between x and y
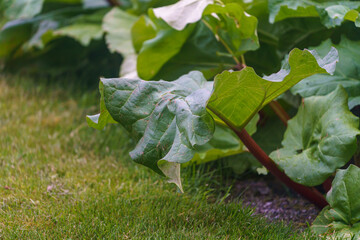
274, 201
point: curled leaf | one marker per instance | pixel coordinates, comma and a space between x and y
168, 120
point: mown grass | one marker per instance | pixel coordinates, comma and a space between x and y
59, 179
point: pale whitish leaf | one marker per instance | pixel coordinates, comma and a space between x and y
172, 171
182, 13
24, 9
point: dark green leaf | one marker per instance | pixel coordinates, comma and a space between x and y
13, 35
319, 139
341, 220
22, 35
331, 13
347, 73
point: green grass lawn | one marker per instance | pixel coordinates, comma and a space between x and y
60, 179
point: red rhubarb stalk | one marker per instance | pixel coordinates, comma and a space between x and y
309, 193
279, 111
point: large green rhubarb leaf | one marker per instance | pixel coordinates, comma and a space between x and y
231, 25
238, 96
331, 13
168, 120
319, 139
341, 219
347, 73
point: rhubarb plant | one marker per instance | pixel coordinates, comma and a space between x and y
180, 118
171, 120
201, 80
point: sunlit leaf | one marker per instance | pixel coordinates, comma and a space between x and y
238, 96
100, 120
183, 12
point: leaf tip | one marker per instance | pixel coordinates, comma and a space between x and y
172, 171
